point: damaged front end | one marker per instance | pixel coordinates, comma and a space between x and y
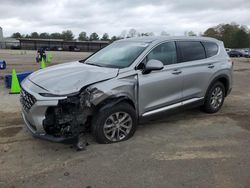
70, 117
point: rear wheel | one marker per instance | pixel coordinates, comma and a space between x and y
214, 98
114, 124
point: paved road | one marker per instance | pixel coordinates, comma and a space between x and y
188, 149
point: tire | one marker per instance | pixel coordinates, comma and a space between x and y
214, 98
108, 120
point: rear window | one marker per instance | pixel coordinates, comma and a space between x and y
211, 48
191, 50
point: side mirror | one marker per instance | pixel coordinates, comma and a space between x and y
152, 65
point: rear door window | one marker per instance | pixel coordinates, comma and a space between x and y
211, 48
191, 50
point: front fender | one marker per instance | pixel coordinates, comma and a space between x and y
123, 88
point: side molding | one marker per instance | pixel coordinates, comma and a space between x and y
171, 106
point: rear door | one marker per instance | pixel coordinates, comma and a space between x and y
196, 68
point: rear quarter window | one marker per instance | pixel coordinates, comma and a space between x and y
211, 48
191, 50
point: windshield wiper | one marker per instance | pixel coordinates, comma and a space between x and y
105, 65
98, 65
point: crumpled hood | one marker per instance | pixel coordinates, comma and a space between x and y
70, 77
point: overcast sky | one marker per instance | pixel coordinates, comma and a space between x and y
114, 16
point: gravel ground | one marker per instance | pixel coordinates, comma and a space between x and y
188, 149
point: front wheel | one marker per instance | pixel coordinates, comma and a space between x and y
114, 124
214, 98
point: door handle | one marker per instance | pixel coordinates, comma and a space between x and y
211, 66
176, 72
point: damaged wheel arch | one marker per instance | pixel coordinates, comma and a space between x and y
113, 100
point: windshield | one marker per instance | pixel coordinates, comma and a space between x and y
117, 55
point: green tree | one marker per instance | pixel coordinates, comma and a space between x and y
211, 32
105, 36
44, 36
132, 33
67, 35
16, 35
227, 33
233, 35
83, 36
55, 36
27, 36
146, 34
34, 35
94, 36
114, 38
191, 33
241, 39
249, 38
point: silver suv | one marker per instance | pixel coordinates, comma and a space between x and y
131, 79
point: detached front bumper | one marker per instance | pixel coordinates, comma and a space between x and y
34, 108
34, 122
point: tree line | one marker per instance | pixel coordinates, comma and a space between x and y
68, 35
233, 35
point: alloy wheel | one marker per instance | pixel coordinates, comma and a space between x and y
117, 126
216, 97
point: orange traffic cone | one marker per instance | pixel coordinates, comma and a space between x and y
15, 86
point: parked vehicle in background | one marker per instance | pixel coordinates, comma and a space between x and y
227, 49
15, 47
74, 48
129, 80
246, 53
235, 53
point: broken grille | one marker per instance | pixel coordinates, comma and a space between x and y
27, 100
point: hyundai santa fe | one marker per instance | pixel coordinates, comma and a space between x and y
130, 79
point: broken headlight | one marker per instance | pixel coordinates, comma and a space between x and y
55, 95
49, 95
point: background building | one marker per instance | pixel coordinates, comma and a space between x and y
1, 34
50, 44
8, 43
1, 38
59, 44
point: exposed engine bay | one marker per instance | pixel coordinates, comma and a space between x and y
69, 117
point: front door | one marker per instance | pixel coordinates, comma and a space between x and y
161, 88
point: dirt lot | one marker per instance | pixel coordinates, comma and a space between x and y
189, 149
